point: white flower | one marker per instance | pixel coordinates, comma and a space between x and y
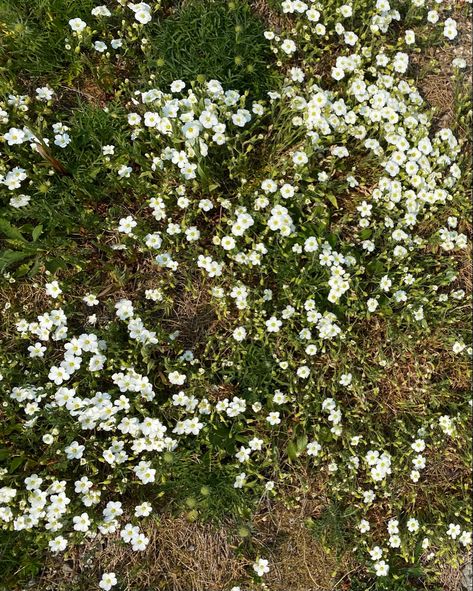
345, 379
261, 567
100, 46
81, 522
36, 350
239, 334
58, 375
90, 299
372, 304
385, 283
228, 243
458, 347
74, 451
107, 581
44, 93
243, 455
414, 475
241, 117
288, 46
14, 136
240, 480
101, 11
126, 225
273, 418
124, 171
176, 378
381, 568
453, 531
269, 186
57, 544
191, 129
303, 372
313, 448
273, 324
143, 510
364, 526
368, 496
143, 16
409, 37
376, 553
300, 158
19, 201
177, 86
450, 28
108, 150
459, 62
401, 62
77, 25
62, 139
142, 12
412, 525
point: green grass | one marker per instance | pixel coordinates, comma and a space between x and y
212, 39
32, 41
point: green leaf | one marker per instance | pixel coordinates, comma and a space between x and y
332, 199
301, 443
292, 451
9, 257
22, 270
16, 462
56, 264
35, 268
37, 232
10, 231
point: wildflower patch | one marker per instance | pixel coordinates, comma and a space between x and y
233, 284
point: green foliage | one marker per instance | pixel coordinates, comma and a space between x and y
211, 39
332, 528
18, 566
32, 40
205, 486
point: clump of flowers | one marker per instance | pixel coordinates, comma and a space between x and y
289, 274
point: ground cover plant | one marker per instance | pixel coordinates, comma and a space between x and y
235, 280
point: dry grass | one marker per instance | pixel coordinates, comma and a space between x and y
414, 372
191, 556
181, 556
435, 72
274, 20
299, 561
19, 296
437, 87
453, 579
192, 314
185, 556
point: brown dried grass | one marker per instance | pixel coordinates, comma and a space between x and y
299, 562
181, 556
435, 72
273, 19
